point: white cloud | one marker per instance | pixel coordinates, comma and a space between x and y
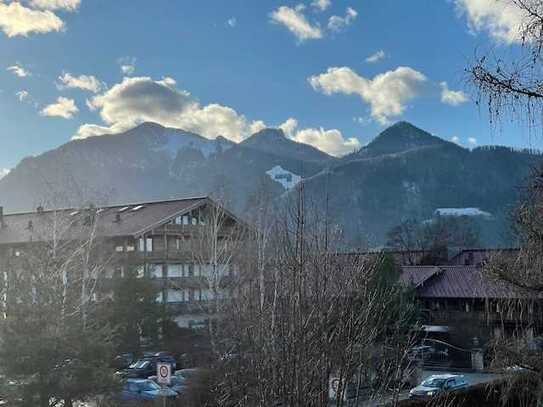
321, 5
455, 139
330, 141
232, 22
18, 70
296, 22
140, 99
65, 5
84, 82
387, 93
16, 19
375, 57
472, 141
4, 172
501, 19
452, 97
337, 23
257, 126
289, 127
64, 108
127, 65
22, 95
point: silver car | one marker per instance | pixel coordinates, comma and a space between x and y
438, 384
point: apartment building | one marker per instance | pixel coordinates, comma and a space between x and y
184, 246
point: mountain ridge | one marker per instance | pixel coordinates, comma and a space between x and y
405, 172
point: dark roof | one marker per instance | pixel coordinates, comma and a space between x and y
414, 276
135, 220
459, 282
476, 256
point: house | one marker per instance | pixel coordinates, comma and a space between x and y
453, 295
168, 241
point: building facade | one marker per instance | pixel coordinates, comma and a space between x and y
185, 247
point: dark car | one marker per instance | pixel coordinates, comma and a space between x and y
142, 368
438, 384
146, 366
144, 390
123, 360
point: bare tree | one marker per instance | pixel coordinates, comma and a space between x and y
53, 343
514, 88
308, 321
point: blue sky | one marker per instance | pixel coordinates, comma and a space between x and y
232, 67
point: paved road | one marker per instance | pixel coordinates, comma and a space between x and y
472, 379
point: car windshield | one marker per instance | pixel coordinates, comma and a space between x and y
140, 364
149, 385
434, 382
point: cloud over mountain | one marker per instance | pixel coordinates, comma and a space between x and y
386, 93
140, 99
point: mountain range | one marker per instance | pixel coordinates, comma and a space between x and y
404, 173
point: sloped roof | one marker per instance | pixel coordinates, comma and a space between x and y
459, 282
414, 276
135, 220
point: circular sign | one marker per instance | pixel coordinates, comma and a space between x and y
164, 372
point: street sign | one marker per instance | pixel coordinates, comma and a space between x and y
164, 373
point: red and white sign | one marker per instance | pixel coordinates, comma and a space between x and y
164, 373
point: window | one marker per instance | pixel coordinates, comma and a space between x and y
149, 244
155, 270
176, 270
178, 244
141, 245
119, 249
130, 248
185, 219
178, 220
175, 296
140, 271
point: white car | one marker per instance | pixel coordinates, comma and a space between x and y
438, 384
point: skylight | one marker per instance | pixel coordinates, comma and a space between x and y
137, 208
124, 209
74, 213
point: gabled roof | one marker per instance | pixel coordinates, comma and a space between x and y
415, 276
458, 282
135, 219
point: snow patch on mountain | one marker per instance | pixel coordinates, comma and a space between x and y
286, 178
462, 212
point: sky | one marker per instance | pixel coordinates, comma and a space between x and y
330, 73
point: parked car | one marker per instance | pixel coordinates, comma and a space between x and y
144, 390
142, 369
163, 357
146, 366
438, 384
123, 360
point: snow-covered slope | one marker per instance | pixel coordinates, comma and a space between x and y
286, 178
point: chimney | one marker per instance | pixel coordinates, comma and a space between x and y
117, 218
2, 224
30, 225
39, 209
